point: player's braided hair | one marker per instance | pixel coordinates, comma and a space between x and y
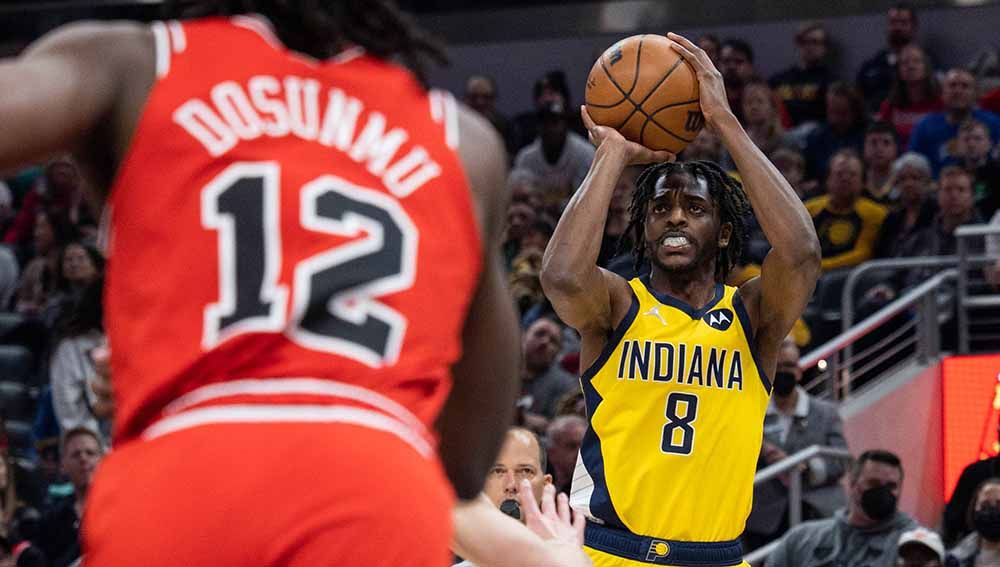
726, 192
322, 28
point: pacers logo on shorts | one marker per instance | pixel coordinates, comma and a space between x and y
658, 549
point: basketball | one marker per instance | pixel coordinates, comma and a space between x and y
645, 90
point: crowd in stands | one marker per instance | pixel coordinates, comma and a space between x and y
888, 162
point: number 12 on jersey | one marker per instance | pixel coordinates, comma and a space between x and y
334, 305
678, 432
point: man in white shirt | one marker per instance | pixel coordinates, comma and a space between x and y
560, 158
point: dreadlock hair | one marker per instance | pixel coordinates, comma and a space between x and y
726, 192
322, 28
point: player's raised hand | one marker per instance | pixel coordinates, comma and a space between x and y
712, 90
100, 383
557, 524
634, 153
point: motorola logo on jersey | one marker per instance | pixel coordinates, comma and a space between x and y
720, 319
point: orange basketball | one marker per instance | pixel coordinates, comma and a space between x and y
642, 88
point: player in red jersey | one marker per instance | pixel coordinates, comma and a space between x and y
302, 248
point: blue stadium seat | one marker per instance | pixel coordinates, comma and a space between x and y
19, 437
8, 322
16, 401
16, 363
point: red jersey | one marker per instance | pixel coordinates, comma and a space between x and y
298, 228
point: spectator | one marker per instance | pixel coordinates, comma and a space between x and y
39, 279
914, 93
521, 457
523, 187
72, 367
935, 135
976, 149
81, 452
847, 223
564, 435
615, 236
956, 523
520, 217
844, 129
9, 501
880, 152
706, 147
920, 547
57, 192
736, 66
710, 44
876, 74
955, 208
795, 421
550, 88
982, 546
792, 166
761, 119
559, 158
803, 86
914, 209
481, 96
543, 382
864, 534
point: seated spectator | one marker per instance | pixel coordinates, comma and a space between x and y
57, 192
705, 147
564, 437
60, 533
914, 93
552, 87
72, 368
761, 120
521, 457
710, 45
915, 205
935, 135
543, 382
792, 166
803, 86
520, 216
864, 534
616, 239
847, 223
736, 66
881, 150
955, 208
558, 157
976, 149
481, 96
38, 285
920, 547
795, 421
844, 129
876, 74
523, 187
956, 523
982, 546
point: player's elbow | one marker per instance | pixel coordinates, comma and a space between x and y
559, 279
807, 256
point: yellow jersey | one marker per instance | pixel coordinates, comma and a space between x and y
676, 405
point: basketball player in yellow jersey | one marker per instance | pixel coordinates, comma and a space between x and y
677, 363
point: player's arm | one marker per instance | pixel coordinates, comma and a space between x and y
583, 294
488, 538
59, 91
790, 270
481, 404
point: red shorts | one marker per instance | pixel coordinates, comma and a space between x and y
269, 494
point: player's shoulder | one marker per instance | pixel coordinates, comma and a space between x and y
484, 161
94, 36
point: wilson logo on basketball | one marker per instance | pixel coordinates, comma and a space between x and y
694, 122
616, 56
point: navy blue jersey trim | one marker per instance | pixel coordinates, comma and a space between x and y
614, 339
744, 317
683, 306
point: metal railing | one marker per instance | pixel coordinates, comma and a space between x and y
965, 300
835, 359
790, 466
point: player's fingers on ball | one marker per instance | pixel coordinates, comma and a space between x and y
587, 120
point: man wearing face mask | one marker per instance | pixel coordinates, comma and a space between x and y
865, 534
794, 421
